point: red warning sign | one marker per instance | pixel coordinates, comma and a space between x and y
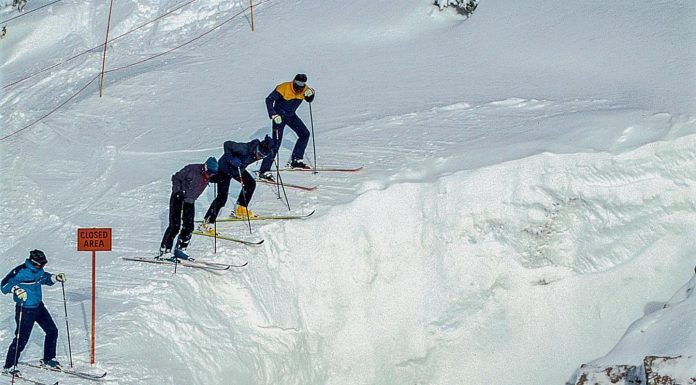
94, 239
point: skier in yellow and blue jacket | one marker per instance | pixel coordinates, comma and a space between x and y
281, 105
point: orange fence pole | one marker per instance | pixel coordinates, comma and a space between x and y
251, 7
108, 24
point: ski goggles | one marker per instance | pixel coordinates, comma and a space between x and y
38, 265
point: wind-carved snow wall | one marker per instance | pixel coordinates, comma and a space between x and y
514, 273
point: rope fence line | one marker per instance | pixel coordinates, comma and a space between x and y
52, 111
96, 47
181, 45
127, 66
28, 12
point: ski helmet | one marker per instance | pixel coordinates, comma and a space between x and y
37, 257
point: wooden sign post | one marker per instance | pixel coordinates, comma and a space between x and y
94, 240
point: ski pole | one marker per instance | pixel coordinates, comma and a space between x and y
19, 328
215, 225
281, 185
246, 200
279, 179
277, 159
314, 146
67, 326
277, 162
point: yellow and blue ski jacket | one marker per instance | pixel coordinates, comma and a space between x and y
284, 100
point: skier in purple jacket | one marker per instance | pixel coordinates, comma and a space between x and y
187, 185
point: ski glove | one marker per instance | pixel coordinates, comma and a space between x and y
276, 119
60, 277
309, 92
20, 293
236, 162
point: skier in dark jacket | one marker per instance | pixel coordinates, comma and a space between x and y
233, 164
281, 105
24, 282
187, 185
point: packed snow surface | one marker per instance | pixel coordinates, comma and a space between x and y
528, 195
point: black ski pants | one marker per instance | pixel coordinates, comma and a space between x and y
223, 185
41, 316
179, 212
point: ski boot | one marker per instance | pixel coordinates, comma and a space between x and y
207, 228
267, 176
243, 212
181, 255
299, 164
165, 255
51, 364
11, 372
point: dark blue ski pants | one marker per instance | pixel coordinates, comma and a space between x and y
295, 124
41, 316
223, 187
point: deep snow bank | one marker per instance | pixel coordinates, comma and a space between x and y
492, 276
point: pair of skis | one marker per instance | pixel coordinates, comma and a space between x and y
255, 218
228, 238
325, 169
70, 372
319, 169
196, 264
183, 259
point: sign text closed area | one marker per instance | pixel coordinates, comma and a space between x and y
94, 239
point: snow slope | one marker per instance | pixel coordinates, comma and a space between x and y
648, 335
528, 190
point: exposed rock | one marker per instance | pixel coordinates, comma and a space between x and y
613, 375
654, 371
661, 371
